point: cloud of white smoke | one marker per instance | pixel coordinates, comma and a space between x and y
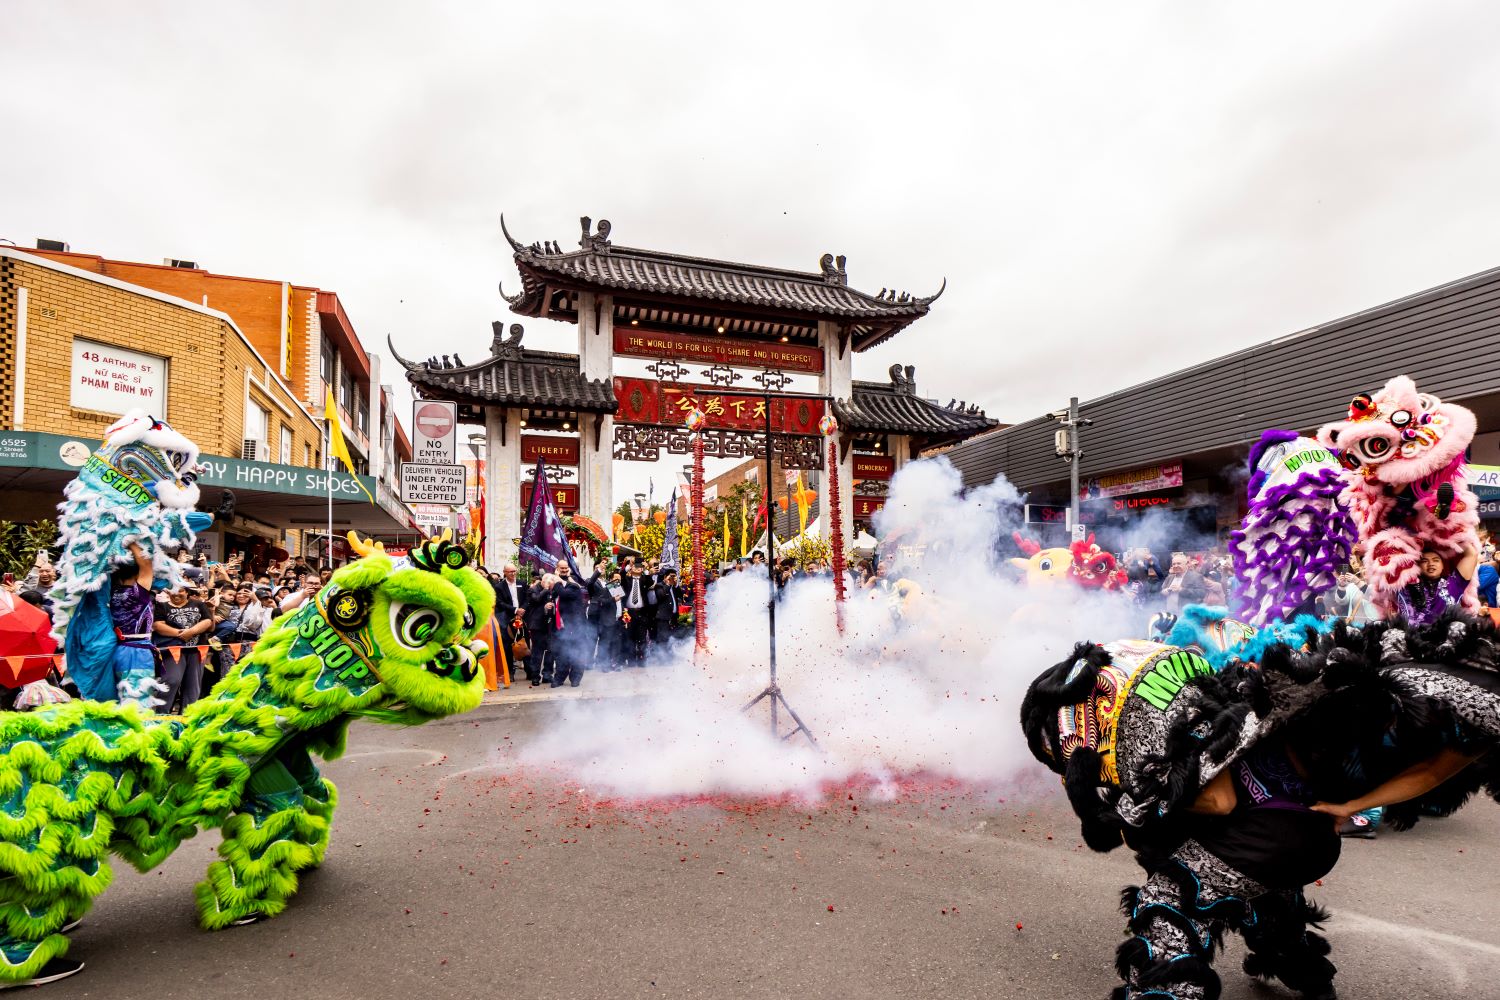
928, 676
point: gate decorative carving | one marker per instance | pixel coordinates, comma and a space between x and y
647, 443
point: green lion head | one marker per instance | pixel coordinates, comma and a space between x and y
407, 627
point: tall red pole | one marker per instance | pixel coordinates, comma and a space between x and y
695, 421
836, 520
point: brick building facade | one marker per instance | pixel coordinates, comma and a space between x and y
78, 348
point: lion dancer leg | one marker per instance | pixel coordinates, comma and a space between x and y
37, 911
1177, 919
281, 829
1282, 947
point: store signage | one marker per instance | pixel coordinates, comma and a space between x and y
636, 343
874, 467
1046, 513
646, 401
111, 379
552, 450
1156, 477
434, 426
1117, 506
29, 449
426, 483
865, 507
564, 498
1484, 480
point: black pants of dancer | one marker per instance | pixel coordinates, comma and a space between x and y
183, 676
1179, 917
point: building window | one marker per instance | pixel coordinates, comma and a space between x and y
329, 361
307, 456
346, 392
286, 446
364, 417
257, 427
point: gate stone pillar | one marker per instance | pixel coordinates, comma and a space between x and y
837, 381
502, 485
596, 360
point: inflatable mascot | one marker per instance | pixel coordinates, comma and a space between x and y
81, 781
1403, 452
137, 489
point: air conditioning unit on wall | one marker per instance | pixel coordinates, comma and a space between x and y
252, 450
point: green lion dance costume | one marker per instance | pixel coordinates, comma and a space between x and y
388, 641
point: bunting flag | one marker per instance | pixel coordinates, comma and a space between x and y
669, 536
338, 448
744, 529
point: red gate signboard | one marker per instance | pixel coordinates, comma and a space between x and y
551, 450
874, 467
564, 498
646, 401
718, 350
865, 507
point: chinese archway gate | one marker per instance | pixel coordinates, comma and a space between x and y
716, 333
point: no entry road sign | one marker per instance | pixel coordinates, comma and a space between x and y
435, 430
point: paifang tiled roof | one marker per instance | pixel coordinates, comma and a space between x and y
895, 408
599, 264
513, 376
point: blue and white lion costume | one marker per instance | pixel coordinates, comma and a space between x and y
139, 486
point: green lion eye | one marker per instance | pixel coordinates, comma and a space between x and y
414, 625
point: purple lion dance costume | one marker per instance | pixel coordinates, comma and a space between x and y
1296, 535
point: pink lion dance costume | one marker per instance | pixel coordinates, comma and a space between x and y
1403, 452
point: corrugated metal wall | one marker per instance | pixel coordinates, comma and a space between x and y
1447, 339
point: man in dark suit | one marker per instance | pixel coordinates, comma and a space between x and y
639, 600
571, 634
669, 601
510, 597
601, 618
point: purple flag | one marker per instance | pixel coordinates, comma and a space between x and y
544, 543
669, 539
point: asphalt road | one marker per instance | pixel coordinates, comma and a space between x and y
453, 874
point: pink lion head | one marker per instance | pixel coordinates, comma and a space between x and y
1399, 435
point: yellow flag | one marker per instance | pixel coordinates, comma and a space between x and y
744, 530
726, 532
336, 443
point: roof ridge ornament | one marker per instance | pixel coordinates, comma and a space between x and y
598, 240
833, 269
503, 347
904, 379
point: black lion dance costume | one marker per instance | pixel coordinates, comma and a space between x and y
1207, 762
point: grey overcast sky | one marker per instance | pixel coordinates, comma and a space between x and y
1113, 190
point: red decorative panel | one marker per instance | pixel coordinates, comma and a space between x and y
646, 401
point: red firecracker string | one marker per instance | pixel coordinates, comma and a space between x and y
700, 621
837, 518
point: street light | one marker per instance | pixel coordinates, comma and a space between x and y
1068, 445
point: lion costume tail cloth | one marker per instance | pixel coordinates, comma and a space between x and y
138, 487
1296, 535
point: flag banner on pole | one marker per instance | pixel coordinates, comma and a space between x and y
801, 498
669, 539
340, 450
726, 533
544, 542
